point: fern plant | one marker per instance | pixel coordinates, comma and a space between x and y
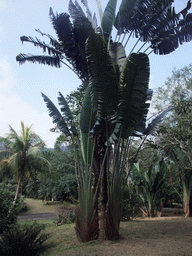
22, 240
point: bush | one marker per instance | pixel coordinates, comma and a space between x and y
65, 215
22, 240
130, 204
8, 212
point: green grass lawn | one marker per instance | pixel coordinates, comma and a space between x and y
142, 236
38, 206
158, 236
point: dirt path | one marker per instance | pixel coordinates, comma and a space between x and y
52, 215
37, 216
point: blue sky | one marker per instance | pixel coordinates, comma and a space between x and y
20, 85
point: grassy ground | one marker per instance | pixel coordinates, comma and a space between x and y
158, 236
142, 236
38, 206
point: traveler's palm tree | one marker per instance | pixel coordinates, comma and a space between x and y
21, 153
116, 84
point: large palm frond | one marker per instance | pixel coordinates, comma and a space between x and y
58, 119
102, 74
132, 106
156, 22
108, 19
67, 114
72, 36
118, 56
55, 50
151, 126
53, 61
75, 10
91, 18
88, 113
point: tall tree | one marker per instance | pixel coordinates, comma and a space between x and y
21, 153
175, 133
114, 105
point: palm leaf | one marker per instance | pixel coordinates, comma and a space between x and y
154, 21
168, 41
102, 74
134, 94
150, 128
72, 38
56, 116
82, 28
93, 19
75, 10
87, 122
141, 126
118, 56
127, 11
88, 113
108, 19
48, 60
67, 114
53, 41
46, 48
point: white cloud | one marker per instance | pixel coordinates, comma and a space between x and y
7, 76
14, 110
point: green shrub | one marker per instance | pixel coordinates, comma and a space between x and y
22, 240
8, 211
130, 203
65, 215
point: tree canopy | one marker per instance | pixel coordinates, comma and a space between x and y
21, 153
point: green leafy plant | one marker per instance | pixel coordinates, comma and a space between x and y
21, 153
8, 212
130, 203
65, 215
150, 185
22, 240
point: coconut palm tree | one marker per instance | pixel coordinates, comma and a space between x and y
21, 153
115, 103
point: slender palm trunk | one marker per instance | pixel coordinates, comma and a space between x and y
24, 160
186, 202
187, 189
190, 206
104, 199
18, 187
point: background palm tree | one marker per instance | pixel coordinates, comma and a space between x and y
21, 153
115, 103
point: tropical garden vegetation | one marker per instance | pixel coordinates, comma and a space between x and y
174, 134
20, 158
117, 96
21, 154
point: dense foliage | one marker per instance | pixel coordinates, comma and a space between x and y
174, 137
8, 213
21, 153
22, 240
